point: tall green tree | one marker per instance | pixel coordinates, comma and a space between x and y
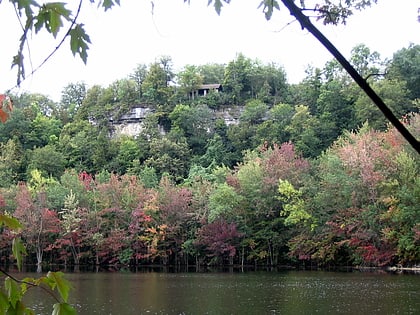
169, 156
303, 132
10, 163
307, 91
218, 153
47, 160
85, 147
155, 86
404, 66
335, 103
128, 153
212, 73
273, 129
138, 75
17, 126
273, 87
72, 97
189, 80
43, 130
254, 113
237, 79
195, 123
394, 93
223, 203
125, 95
97, 106
366, 63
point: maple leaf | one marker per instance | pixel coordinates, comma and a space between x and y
50, 16
6, 106
79, 41
108, 4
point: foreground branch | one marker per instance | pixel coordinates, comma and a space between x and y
306, 23
30, 284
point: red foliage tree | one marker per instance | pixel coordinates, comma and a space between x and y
282, 162
39, 222
140, 221
175, 211
220, 240
87, 180
362, 238
366, 157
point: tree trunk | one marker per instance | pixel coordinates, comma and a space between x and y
39, 259
242, 257
74, 252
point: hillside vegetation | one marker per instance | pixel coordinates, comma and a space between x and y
310, 173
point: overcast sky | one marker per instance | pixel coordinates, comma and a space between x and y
194, 34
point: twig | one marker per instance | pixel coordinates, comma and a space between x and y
54, 50
287, 25
375, 75
31, 284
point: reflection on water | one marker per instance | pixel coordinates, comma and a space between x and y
285, 292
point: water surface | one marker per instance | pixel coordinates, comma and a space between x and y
285, 292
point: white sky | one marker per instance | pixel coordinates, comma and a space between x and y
194, 34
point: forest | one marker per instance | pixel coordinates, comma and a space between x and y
312, 173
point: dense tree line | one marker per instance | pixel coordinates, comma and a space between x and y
311, 173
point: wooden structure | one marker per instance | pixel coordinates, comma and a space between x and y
204, 89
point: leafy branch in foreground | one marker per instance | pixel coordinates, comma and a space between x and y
328, 11
52, 17
363, 84
15, 289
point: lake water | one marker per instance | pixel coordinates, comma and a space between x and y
280, 292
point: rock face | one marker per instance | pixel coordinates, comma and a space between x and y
132, 123
127, 128
229, 114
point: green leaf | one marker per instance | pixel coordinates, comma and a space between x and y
217, 5
41, 20
18, 250
268, 7
50, 15
287, 191
62, 284
63, 309
34, 281
79, 41
10, 222
14, 293
4, 302
19, 309
26, 5
108, 4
